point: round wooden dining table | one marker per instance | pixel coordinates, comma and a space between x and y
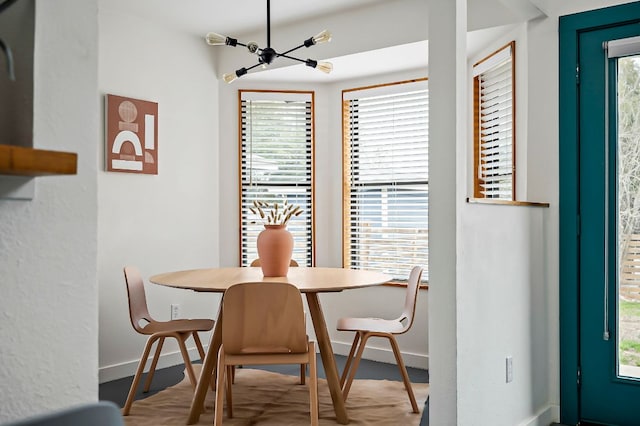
309, 280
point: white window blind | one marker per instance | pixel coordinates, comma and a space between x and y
386, 176
276, 165
495, 135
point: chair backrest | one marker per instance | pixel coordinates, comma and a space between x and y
102, 413
138, 311
413, 285
256, 262
263, 318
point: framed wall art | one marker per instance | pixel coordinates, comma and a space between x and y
131, 135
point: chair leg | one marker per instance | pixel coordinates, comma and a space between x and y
403, 371
229, 394
354, 368
347, 365
231, 371
180, 337
154, 363
136, 378
303, 373
220, 377
196, 338
313, 385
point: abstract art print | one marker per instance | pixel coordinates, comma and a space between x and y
131, 135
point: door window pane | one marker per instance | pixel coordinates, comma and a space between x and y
628, 160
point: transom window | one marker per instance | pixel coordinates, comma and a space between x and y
276, 156
386, 177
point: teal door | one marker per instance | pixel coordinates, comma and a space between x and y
608, 80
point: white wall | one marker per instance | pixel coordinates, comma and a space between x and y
49, 302
447, 131
163, 222
504, 275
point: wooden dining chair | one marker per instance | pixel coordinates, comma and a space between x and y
303, 367
143, 323
377, 327
263, 324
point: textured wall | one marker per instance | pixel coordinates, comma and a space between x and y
48, 301
16, 97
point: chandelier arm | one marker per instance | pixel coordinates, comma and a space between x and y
290, 57
265, 55
291, 50
253, 66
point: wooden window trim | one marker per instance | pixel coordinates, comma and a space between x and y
313, 168
346, 184
506, 202
476, 122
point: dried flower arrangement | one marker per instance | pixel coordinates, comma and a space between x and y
274, 213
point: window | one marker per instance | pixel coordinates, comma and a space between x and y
386, 178
276, 164
494, 125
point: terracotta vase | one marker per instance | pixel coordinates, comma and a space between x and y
275, 247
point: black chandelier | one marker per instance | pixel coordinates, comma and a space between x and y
267, 54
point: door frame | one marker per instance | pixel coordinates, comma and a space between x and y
570, 27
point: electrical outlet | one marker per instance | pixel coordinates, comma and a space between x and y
175, 311
509, 368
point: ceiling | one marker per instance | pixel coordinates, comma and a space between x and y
397, 58
197, 17
231, 17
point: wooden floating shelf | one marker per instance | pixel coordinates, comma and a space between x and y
21, 161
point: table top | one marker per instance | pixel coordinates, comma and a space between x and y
307, 279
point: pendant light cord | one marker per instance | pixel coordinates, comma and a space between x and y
268, 23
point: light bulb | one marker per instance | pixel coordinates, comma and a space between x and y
325, 67
230, 77
252, 47
215, 39
323, 37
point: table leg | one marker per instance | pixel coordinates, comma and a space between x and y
208, 365
328, 359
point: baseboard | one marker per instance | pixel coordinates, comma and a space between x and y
544, 417
127, 369
169, 359
384, 355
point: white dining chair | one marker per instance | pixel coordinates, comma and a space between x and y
388, 329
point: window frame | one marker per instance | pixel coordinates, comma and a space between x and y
346, 187
311, 210
477, 182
